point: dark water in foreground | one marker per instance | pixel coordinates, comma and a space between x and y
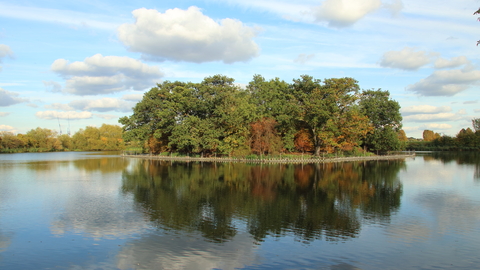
101, 211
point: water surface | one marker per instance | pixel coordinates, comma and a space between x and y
102, 211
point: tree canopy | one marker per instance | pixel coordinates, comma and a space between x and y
217, 116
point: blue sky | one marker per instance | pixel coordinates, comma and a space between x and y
84, 63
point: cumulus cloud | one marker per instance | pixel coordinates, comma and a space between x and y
133, 97
344, 13
437, 126
105, 74
63, 115
8, 98
59, 107
406, 59
188, 35
446, 82
102, 105
435, 117
452, 63
425, 109
7, 128
52, 86
5, 51
4, 114
303, 58
105, 116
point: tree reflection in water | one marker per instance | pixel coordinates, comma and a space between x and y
466, 158
312, 201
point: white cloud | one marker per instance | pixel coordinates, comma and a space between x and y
435, 117
52, 86
437, 126
452, 63
188, 35
71, 115
106, 116
102, 105
425, 109
133, 97
446, 82
106, 74
7, 128
303, 58
344, 13
8, 98
5, 51
4, 114
60, 107
407, 128
406, 59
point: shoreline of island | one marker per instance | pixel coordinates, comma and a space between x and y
274, 160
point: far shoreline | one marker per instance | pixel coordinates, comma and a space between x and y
275, 160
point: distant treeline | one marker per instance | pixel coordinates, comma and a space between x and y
107, 137
217, 117
465, 140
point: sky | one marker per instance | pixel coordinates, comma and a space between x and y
65, 65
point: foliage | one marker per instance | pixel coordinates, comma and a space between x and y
268, 117
476, 124
264, 138
429, 135
107, 137
465, 140
385, 118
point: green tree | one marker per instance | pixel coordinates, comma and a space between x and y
43, 138
111, 137
322, 104
476, 124
385, 118
274, 99
65, 141
8, 140
468, 139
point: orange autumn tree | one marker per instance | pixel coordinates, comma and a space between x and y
353, 128
303, 141
264, 138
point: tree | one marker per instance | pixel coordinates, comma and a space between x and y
385, 118
428, 135
322, 104
467, 138
264, 138
8, 140
303, 141
476, 124
43, 138
273, 99
111, 137
402, 136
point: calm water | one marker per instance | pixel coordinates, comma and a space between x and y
101, 211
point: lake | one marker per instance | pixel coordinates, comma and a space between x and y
80, 210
